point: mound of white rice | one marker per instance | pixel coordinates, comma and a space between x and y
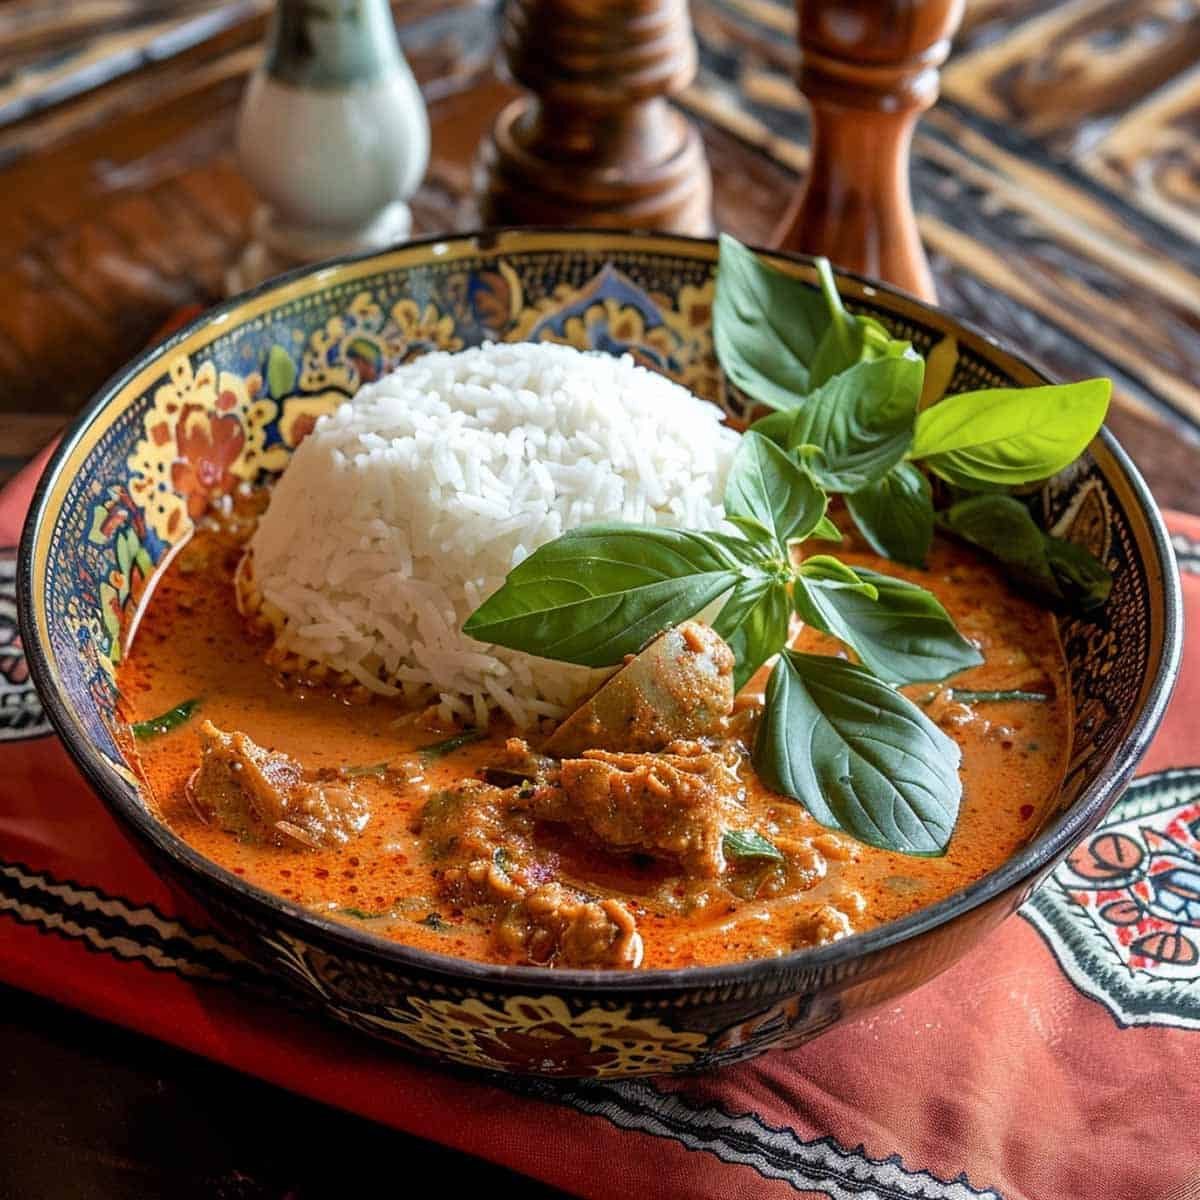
406, 508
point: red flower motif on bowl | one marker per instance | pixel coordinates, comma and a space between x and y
547, 1049
209, 445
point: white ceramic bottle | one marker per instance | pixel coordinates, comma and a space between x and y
332, 133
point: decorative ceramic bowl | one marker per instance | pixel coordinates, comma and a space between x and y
227, 400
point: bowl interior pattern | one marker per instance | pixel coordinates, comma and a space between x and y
226, 401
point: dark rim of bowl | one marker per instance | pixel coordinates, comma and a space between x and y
273, 910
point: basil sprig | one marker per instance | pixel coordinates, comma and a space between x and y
598, 593
847, 408
835, 735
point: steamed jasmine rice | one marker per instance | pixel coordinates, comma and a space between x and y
407, 507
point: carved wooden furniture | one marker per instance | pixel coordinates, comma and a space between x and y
596, 142
869, 68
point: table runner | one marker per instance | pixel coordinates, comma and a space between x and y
1056, 1061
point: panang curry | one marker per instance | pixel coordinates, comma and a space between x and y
635, 834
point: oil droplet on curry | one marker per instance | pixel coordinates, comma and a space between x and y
635, 835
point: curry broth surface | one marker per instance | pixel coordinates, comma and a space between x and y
191, 642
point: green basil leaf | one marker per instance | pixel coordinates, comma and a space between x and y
1081, 577
766, 484
753, 545
861, 421
826, 531
1004, 528
895, 514
600, 592
858, 755
831, 572
766, 326
1003, 437
903, 636
172, 719
754, 622
993, 696
436, 750
777, 338
775, 426
749, 844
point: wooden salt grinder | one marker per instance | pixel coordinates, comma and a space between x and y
597, 143
869, 68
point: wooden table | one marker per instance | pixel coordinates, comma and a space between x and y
1058, 191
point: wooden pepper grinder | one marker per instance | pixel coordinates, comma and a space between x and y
869, 68
596, 143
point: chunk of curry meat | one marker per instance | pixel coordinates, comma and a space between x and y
646, 769
634, 775
548, 923
495, 871
634, 780
677, 804
265, 796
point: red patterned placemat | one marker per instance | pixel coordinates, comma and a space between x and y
1057, 1061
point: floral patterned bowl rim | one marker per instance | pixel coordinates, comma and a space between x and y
1024, 866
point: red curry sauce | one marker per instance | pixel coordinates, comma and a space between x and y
191, 642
